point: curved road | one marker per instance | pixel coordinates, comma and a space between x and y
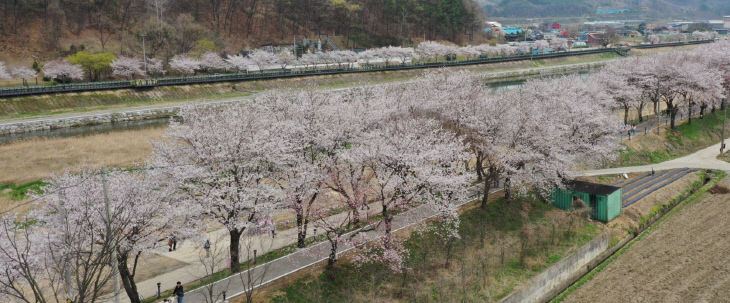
703, 159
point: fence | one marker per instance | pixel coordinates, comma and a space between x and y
111, 85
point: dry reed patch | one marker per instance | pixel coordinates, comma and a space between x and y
38, 158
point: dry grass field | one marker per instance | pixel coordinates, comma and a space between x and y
38, 158
684, 259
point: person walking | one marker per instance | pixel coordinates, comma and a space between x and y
169, 243
174, 243
207, 248
179, 292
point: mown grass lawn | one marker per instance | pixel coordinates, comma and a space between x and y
683, 140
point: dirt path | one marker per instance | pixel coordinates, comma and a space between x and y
684, 259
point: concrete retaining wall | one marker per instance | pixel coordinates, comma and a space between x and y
50, 123
549, 283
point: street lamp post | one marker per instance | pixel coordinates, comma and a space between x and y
722, 144
144, 55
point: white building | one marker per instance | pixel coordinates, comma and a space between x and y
727, 22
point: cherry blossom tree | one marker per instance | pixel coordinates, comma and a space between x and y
559, 44
24, 73
469, 51
62, 70
615, 81
185, 64
220, 160
3, 71
132, 210
212, 61
653, 39
344, 57
262, 58
310, 59
155, 67
367, 56
51, 261
127, 67
411, 158
541, 45
239, 62
286, 59
402, 53
698, 35
431, 50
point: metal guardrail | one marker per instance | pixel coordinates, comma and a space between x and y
234, 77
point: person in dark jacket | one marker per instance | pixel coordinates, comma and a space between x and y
179, 292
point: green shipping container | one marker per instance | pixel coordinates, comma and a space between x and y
604, 200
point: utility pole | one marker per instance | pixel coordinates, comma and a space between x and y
144, 54
109, 236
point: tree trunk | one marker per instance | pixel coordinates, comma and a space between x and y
487, 186
235, 235
479, 167
689, 113
388, 225
356, 215
672, 115
333, 255
626, 115
507, 189
641, 109
127, 278
301, 229
702, 110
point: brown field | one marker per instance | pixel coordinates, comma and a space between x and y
684, 259
34, 159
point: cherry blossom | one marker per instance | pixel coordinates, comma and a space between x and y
23, 72
222, 162
62, 70
211, 61
127, 67
239, 62
262, 58
185, 64
3, 71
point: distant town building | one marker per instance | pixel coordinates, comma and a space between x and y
727, 21
594, 39
493, 24
612, 11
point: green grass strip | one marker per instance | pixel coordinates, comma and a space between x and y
719, 176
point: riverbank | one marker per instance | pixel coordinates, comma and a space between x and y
67, 120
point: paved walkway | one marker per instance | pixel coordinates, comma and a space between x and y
189, 252
703, 159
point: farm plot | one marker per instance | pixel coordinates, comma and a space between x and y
684, 259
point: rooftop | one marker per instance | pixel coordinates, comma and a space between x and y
591, 188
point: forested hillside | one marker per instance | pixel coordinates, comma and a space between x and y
50, 27
647, 8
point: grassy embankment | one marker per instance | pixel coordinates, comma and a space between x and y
498, 249
685, 139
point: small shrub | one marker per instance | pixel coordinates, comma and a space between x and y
719, 189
